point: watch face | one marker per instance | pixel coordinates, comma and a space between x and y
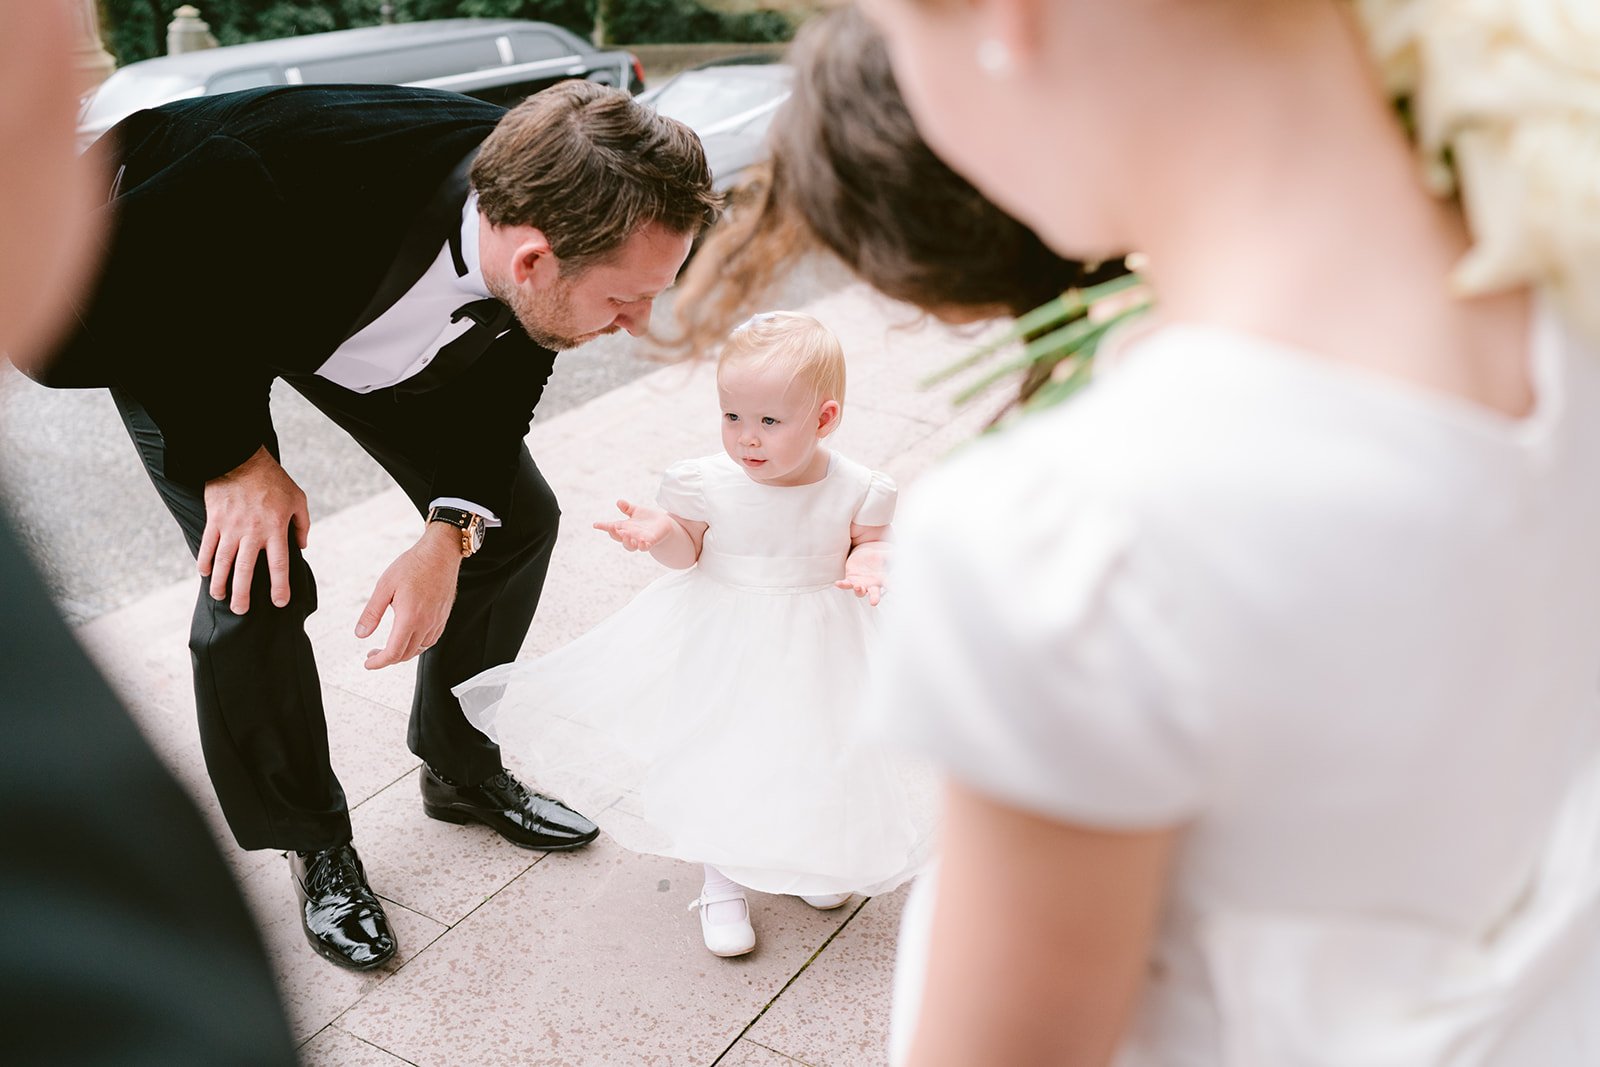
474, 533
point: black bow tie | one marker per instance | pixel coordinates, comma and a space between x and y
488, 313
490, 318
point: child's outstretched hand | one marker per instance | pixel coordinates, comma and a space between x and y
865, 569
643, 529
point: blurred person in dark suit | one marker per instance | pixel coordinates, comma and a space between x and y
123, 938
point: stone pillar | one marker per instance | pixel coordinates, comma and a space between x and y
90, 59
187, 33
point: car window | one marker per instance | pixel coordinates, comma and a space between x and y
234, 80
407, 64
533, 47
703, 98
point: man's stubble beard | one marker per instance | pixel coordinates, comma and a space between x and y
543, 313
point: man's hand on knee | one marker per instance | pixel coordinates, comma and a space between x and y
421, 587
251, 510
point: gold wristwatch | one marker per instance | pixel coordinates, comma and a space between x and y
469, 523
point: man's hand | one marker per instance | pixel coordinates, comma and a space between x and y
421, 588
643, 529
865, 570
251, 510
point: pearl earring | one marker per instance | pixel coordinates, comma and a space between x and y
994, 58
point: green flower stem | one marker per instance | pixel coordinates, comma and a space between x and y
1078, 339
1073, 304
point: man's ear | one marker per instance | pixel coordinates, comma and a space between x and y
828, 417
531, 257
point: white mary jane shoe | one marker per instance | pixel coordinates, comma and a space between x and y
826, 901
727, 938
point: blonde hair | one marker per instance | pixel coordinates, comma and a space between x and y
1504, 97
790, 342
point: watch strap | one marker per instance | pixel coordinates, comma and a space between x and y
456, 517
470, 524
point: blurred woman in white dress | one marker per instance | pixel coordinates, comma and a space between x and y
1265, 672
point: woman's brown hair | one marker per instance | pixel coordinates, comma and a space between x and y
850, 173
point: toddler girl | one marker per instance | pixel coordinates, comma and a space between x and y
715, 713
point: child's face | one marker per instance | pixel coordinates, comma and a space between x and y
772, 426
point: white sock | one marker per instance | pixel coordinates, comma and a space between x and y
719, 884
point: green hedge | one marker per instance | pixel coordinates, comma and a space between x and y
686, 22
137, 29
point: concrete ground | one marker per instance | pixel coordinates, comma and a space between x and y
585, 958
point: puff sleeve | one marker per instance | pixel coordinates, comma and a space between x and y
877, 508
683, 490
1026, 658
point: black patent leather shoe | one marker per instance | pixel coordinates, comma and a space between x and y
339, 913
510, 809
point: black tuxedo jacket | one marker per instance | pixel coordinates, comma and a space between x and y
252, 233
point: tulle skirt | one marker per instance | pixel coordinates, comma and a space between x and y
721, 725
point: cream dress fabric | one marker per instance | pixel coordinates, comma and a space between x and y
716, 717
1344, 629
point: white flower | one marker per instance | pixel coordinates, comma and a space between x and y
1508, 91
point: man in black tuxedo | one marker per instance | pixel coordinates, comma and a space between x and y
410, 261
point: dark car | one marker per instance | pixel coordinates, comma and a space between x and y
498, 60
730, 104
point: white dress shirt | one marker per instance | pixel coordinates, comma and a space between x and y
404, 339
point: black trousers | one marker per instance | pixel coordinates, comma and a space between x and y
257, 692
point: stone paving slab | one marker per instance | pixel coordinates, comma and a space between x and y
315, 992
517, 957
593, 960
434, 868
747, 1053
837, 1011
334, 1047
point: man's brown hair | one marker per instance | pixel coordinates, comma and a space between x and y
588, 166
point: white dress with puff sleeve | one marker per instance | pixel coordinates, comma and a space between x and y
1344, 631
716, 717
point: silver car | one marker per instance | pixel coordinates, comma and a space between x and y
730, 105
498, 60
